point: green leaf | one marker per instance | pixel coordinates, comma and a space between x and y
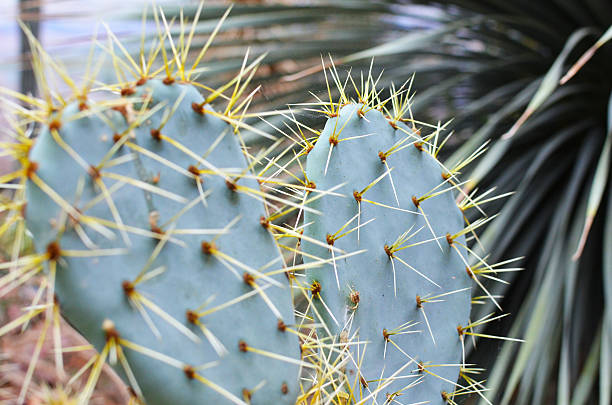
410, 42
500, 146
550, 81
486, 131
605, 364
543, 303
587, 55
588, 375
598, 185
605, 386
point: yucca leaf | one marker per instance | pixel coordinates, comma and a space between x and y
587, 55
598, 185
605, 363
544, 298
589, 373
550, 80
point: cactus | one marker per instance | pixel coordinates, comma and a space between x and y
400, 309
188, 237
155, 241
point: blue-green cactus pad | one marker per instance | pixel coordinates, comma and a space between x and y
91, 289
355, 163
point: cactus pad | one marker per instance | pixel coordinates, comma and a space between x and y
397, 305
150, 224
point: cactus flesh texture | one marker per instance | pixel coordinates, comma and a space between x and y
397, 305
149, 220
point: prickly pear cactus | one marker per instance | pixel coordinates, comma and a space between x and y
149, 224
154, 238
397, 305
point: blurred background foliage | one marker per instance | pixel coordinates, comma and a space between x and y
495, 66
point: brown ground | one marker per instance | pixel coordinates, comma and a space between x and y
47, 386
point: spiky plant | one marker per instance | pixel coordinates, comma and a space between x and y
115, 186
414, 261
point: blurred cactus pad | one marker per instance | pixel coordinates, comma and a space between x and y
147, 225
322, 267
